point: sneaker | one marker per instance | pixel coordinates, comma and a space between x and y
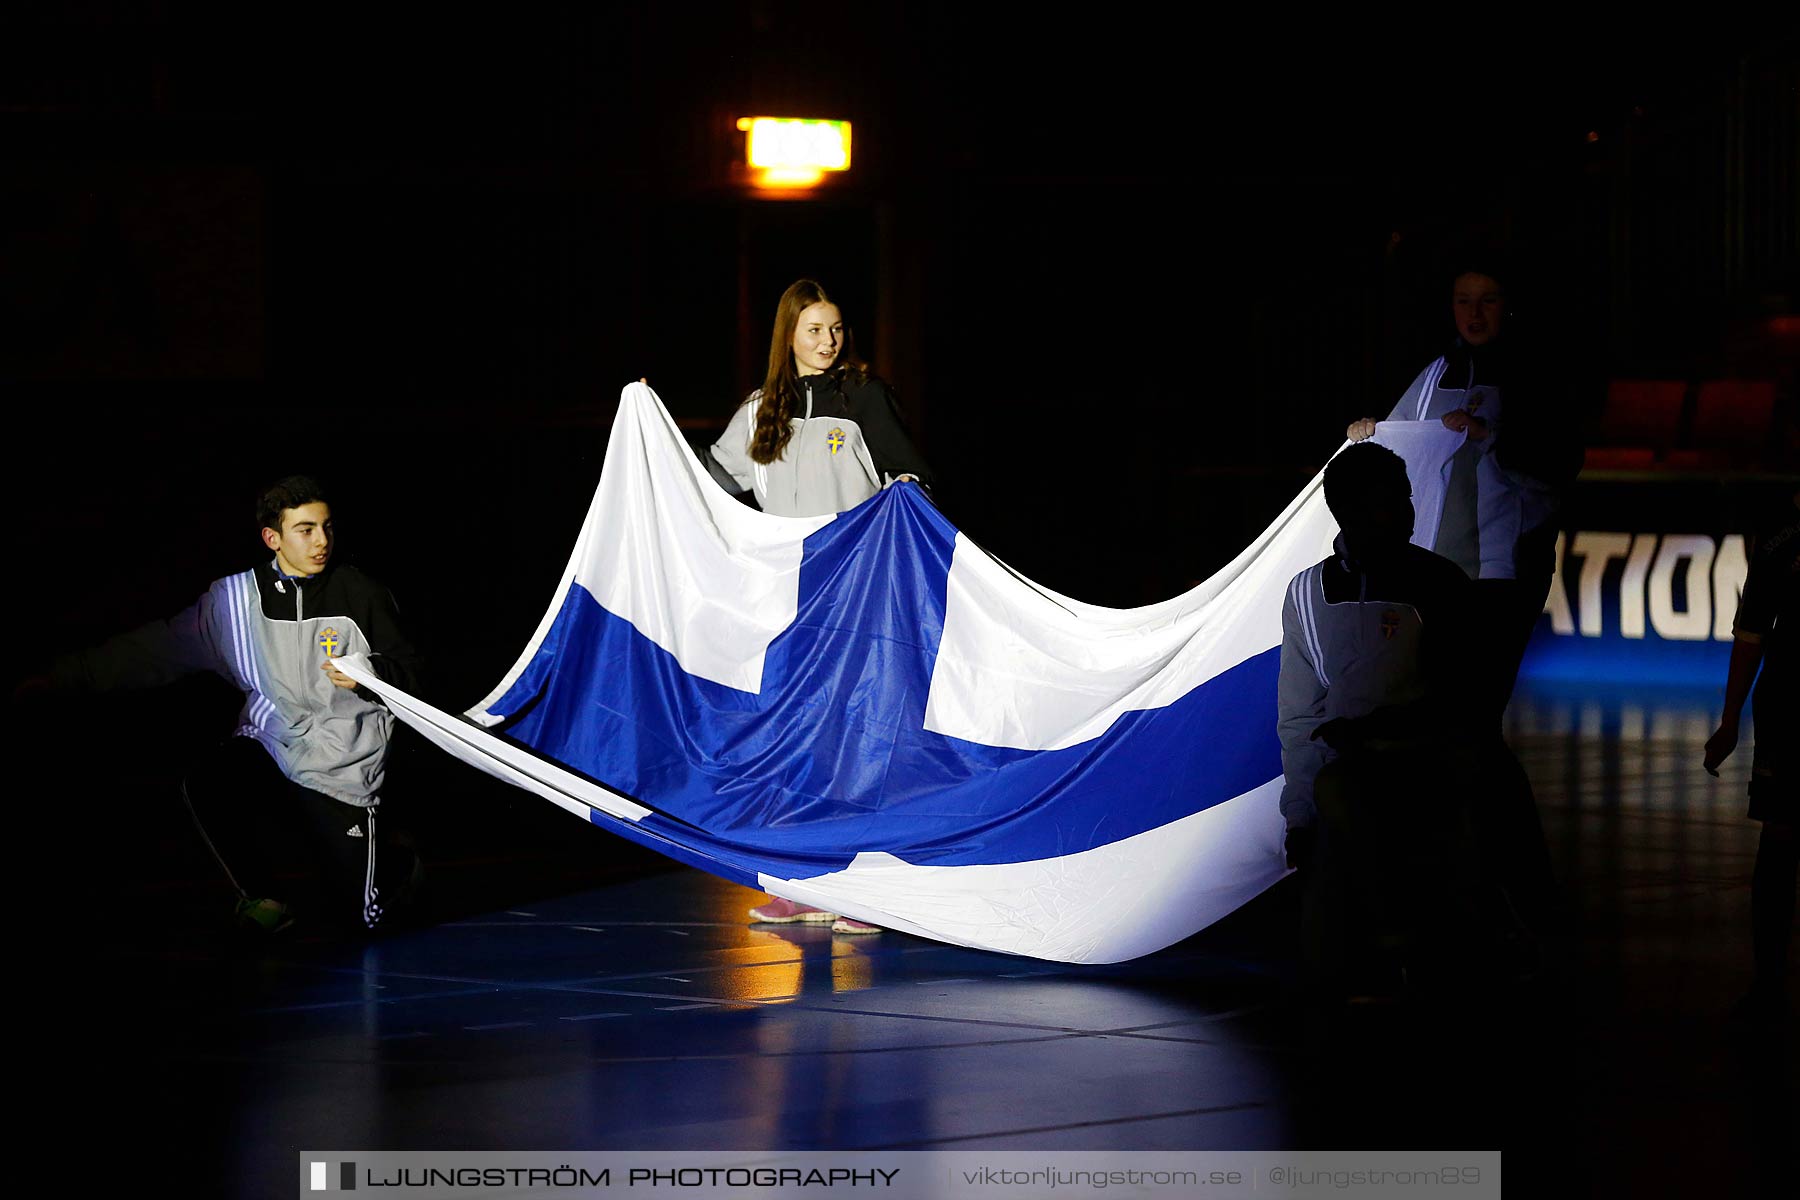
263, 916
784, 912
851, 925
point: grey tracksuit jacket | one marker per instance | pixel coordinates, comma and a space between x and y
1370, 642
269, 635
1473, 488
846, 446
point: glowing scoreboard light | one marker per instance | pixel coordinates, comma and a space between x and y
789, 152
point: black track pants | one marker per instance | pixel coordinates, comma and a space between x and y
258, 822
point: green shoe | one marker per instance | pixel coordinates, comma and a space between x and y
263, 916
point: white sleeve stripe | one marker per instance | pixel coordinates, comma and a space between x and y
1310, 620
241, 629
240, 638
1297, 599
252, 614
1297, 594
1432, 374
234, 622
1305, 611
242, 615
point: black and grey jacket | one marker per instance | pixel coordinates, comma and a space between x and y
1505, 491
1446, 385
269, 635
846, 447
1368, 641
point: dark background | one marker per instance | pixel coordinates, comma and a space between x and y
1132, 271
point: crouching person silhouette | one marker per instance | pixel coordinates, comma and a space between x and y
1370, 696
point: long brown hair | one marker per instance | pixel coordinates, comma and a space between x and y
780, 389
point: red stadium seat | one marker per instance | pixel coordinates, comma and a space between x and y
1642, 412
1733, 420
1638, 425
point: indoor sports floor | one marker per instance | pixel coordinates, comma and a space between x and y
546, 1011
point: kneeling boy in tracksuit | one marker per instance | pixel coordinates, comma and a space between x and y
307, 760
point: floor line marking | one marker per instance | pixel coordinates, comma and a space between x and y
999, 1133
581, 981
1227, 1015
788, 1002
476, 988
824, 1052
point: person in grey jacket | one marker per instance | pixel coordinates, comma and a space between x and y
1369, 698
1504, 493
1462, 390
820, 436
308, 757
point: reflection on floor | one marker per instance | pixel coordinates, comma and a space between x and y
647, 1014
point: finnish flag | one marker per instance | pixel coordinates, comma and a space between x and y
868, 713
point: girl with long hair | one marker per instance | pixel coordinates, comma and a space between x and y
821, 435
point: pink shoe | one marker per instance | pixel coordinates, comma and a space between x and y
851, 925
784, 912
